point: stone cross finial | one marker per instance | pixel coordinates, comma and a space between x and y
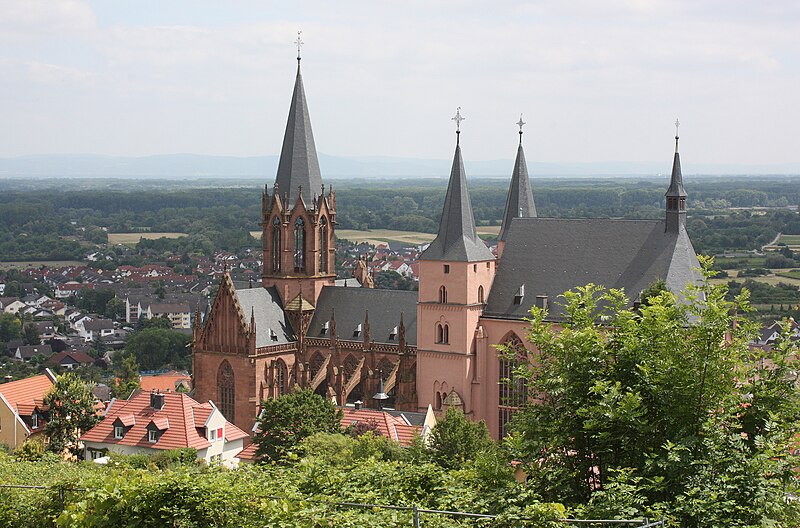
458, 118
520, 123
299, 42
677, 125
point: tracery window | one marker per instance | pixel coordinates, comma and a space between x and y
281, 377
226, 386
323, 245
299, 245
513, 389
276, 244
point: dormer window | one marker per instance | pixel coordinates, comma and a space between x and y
325, 326
447, 268
519, 295
34, 420
272, 335
152, 436
119, 431
393, 334
357, 331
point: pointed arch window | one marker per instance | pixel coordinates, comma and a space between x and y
299, 245
276, 244
226, 387
442, 295
323, 245
480, 294
281, 377
513, 389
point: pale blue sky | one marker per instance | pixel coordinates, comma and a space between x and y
595, 80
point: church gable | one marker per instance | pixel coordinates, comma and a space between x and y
226, 329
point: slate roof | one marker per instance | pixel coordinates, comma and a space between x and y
298, 165
179, 411
550, 256
266, 306
519, 202
98, 324
352, 304
457, 239
29, 351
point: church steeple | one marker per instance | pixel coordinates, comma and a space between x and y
676, 194
299, 219
519, 203
457, 239
298, 168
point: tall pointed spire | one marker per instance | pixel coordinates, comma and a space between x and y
457, 239
519, 203
298, 168
676, 194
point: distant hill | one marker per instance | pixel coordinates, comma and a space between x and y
201, 166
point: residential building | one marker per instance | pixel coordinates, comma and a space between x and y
150, 422
22, 412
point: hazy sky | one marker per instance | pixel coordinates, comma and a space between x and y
595, 80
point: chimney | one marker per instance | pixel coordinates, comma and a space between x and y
156, 400
358, 404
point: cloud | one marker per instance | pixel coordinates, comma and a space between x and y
45, 16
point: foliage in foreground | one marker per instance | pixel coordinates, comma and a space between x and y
198, 496
661, 410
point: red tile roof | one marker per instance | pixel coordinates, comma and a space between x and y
26, 392
167, 382
392, 427
179, 412
77, 356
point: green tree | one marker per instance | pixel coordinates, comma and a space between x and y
288, 419
115, 308
647, 410
456, 439
31, 334
72, 412
10, 327
128, 379
156, 348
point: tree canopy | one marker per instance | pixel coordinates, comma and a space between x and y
664, 409
288, 419
71, 413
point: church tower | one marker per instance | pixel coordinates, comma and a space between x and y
455, 274
298, 218
519, 203
676, 194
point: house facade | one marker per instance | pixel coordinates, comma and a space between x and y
150, 422
432, 347
22, 413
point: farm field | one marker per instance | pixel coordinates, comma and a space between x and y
131, 239
786, 276
22, 264
380, 236
790, 240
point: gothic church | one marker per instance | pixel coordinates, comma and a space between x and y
431, 347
